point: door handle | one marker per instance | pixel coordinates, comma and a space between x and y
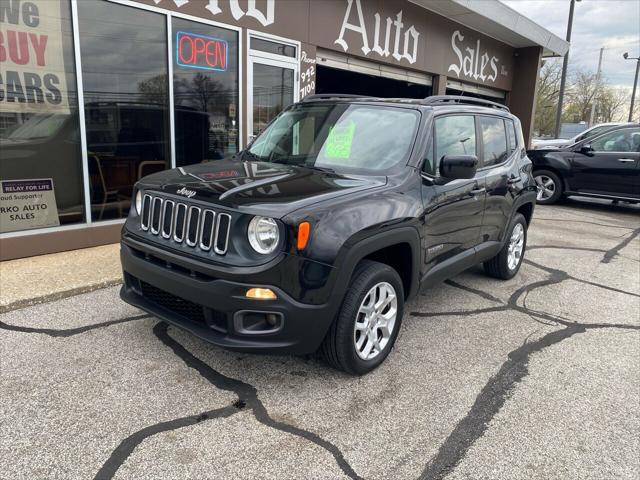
626, 160
477, 191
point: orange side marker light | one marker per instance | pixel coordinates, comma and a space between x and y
304, 230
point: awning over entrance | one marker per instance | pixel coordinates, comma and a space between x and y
497, 20
341, 61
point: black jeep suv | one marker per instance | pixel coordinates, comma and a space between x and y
318, 233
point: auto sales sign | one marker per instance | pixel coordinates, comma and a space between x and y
32, 74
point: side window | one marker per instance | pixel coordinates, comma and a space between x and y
454, 135
512, 136
494, 140
625, 140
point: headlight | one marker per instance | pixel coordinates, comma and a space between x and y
139, 201
263, 234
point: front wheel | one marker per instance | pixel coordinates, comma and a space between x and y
549, 187
507, 262
368, 322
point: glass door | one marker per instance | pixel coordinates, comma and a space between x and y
273, 80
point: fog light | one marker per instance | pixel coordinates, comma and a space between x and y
272, 319
261, 294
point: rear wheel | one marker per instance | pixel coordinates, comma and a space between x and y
507, 263
549, 187
367, 325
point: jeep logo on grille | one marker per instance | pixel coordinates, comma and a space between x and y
186, 192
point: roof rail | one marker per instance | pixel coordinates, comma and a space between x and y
324, 96
450, 99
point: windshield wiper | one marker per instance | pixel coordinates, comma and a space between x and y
320, 169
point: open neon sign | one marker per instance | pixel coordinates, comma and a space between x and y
199, 51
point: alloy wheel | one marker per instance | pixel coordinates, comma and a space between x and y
516, 246
375, 321
546, 187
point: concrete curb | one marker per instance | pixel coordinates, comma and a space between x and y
51, 297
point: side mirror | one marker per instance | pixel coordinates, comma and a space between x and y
586, 149
454, 167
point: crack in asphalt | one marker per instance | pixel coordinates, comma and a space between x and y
501, 386
475, 291
487, 404
248, 398
128, 445
467, 431
69, 332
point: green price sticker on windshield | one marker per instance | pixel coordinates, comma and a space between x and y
338, 144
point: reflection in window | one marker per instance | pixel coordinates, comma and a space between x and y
429, 166
626, 140
272, 93
494, 140
124, 63
39, 130
342, 137
455, 135
205, 90
275, 48
511, 134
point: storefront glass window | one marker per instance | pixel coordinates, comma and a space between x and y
124, 68
272, 93
276, 48
40, 157
205, 91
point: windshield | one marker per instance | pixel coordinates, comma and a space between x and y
38, 126
348, 138
593, 132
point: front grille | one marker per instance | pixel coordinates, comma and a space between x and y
196, 227
185, 308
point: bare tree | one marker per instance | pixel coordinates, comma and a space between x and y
547, 91
611, 104
583, 90
199, 91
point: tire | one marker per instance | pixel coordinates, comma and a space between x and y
339, 347
552, 187
500, 266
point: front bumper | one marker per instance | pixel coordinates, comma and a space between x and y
210, 307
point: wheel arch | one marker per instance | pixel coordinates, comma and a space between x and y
560, 171
399, 248
524, 204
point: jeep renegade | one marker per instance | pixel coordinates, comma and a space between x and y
337, 214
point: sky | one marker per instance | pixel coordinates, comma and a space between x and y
613, 24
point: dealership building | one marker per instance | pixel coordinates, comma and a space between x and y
95, 94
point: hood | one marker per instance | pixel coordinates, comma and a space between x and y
257, 187
554, 143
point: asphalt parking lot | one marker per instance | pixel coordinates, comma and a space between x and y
537, 377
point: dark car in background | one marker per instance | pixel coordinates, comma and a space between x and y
604, 166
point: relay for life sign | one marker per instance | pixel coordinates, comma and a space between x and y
32, 74
26, 204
